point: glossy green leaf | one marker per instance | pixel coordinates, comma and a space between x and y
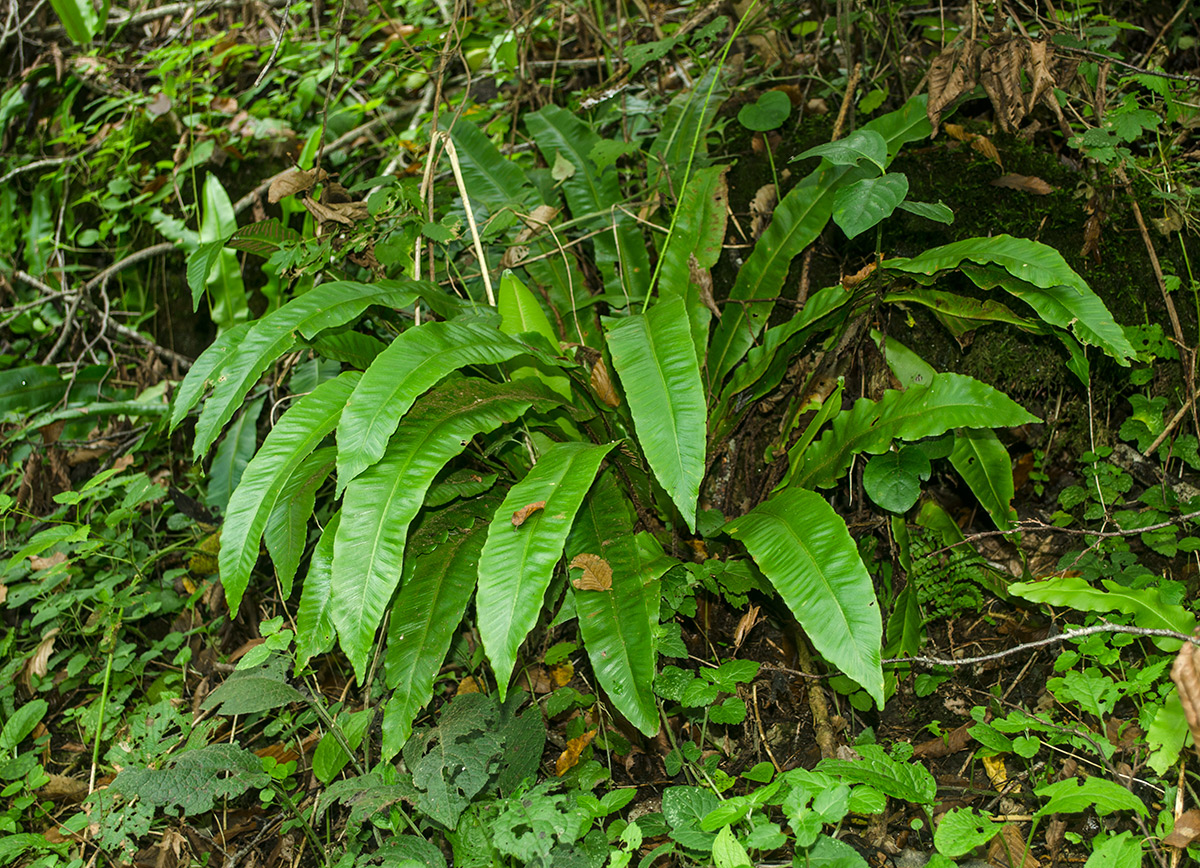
381, 503
79, 19
984, 464
865, 144
227, 291
949, 401
517, 562
893, 479
798, 219
960, 306
906, 366
353, 348
200, 263
655, 358
620, 250
905, 633
297, 433
859, 206
233, 454
1146, 605
804, 549
618, 625
414, 362
27, 389
938, 211
520, 312
492, 181
234, 366
264, 237
684, 126
1042, 279
315, 631
433, 597
286, 533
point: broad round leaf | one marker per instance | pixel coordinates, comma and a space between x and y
893, 479
961, 830
768, 112
863, 204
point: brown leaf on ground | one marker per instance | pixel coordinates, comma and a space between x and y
762, 206
61, 789
522, 515
1024, 183
1187, 680
984, 145
38, 563
1187, 829
1008, 849
597, 573
36, 665
563, 673
293, 182
569, 758
951, 743
701, 278
468, 685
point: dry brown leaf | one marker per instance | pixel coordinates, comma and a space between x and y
346, 213
514, 256
563, 673
1008, 849
859, 276
62, 789
745, 625
762, 206
984, 145
521, 515
535, 222
1024, 183
951, 743
159, 106
36, 665
569, 758
1187, 829
1187, 681
3, 592
958, 132
602, 384
37, 563
468, 685
226, 105
597, 573
951, 74
702, 279
1000, 74
1037, 68
293, 182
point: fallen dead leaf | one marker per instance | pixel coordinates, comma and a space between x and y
1187, 829
1024, 183
522, 515
602, 385
36, 665
1008, 849
953, 742
295, 181
38, 563
597, 573
569, 758
563, 673
468, 685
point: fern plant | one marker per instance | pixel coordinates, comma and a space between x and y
477, 453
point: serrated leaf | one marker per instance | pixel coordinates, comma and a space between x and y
433, 597
1075, 796
380, 504
618, 625
905, 781
297, 433
413, 363
949, 401
656, 360
517, 562
234, 365
961, 830
804, 549
193, 780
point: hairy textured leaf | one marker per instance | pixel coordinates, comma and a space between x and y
621, 251
286, 533
804, 549
233, 455
618, 625
428, 609
655, 357
983, 462
517, 562
193, 779
234, 366
798, 220
379, 505
315, 631
1039, 276
412, 363
906, 781
949, 401
297, 433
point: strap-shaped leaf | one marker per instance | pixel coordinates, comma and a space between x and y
233, 454
413, 363
379, 505
949, 401
314, 624
803, 547
557, 132
983, 462
655, 357
618, 625
286, 533
493, 181
518, 561
1035, 273
201, 376
798, 220
297, 433
687, 113
428, 609
326, 306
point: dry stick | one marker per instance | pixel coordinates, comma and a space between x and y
1170, 427
817, 704
462, 191
762, 735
